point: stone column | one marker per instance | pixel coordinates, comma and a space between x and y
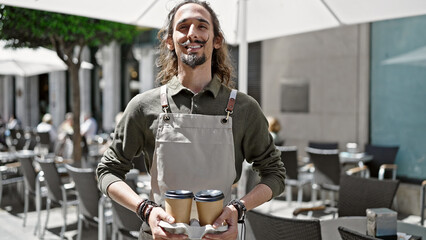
6, 97
146, 58
27, 104
111, 84
57, 96
85, 84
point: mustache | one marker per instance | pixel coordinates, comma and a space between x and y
187, 42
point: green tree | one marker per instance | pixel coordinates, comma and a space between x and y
64, 34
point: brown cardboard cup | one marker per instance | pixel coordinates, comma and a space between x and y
178, 204
209, 205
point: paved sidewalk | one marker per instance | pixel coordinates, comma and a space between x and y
11, 219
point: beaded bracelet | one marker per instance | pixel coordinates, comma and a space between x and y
144, 208
139, 205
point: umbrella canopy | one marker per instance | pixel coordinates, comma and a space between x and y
28, 61
265, 18
242, 21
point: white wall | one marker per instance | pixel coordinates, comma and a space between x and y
335, 64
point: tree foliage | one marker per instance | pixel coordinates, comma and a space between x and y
67, 35
34, 28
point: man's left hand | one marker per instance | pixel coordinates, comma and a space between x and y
230, 216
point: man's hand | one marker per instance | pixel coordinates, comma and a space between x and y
230, 216
158, 214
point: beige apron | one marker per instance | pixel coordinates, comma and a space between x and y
193, 152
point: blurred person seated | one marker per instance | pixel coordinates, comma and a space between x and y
64, 147
274, 129
47, 126
66, 127
88, 128
14, 122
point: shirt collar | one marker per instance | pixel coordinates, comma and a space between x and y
175, 86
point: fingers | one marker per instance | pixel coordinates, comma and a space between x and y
230, 234
158, 214
229, 215
162, 215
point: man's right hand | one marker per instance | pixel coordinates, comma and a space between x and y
158, 214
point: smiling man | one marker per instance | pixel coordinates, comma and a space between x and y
195, 131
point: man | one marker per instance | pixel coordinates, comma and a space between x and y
46, 126
89, 127
193, 131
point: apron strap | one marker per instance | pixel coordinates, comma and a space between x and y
164, 102
163, 97
230, 107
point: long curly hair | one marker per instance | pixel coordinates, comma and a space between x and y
168, 60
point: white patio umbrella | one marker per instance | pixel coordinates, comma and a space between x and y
243, 21
28, 62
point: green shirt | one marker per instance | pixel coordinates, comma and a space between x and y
135, 133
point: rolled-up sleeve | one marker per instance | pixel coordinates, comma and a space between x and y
127, 143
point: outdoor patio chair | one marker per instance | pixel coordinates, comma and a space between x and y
9, 171
356, 194
32, 180
294, 173
348, 234
17, 137
383, 161
88, 196
252, 179
125, 222
326, 174
43, 142
423, 202
323, 145
266, 226
31, 140
60, 193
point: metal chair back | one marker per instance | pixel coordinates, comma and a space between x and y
327, 166
381, 155
29, 173
265, 226
52, 179
88, 192
356, 194
323, 145
289, 158
125, 220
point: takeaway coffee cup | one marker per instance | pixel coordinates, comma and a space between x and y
178, 204
209, 205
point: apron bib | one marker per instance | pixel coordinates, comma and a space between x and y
192, 152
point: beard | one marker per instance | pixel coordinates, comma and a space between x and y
192, 60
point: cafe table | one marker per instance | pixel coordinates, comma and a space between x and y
354, 158
329, 227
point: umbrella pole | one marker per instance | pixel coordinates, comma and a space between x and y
243, 47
